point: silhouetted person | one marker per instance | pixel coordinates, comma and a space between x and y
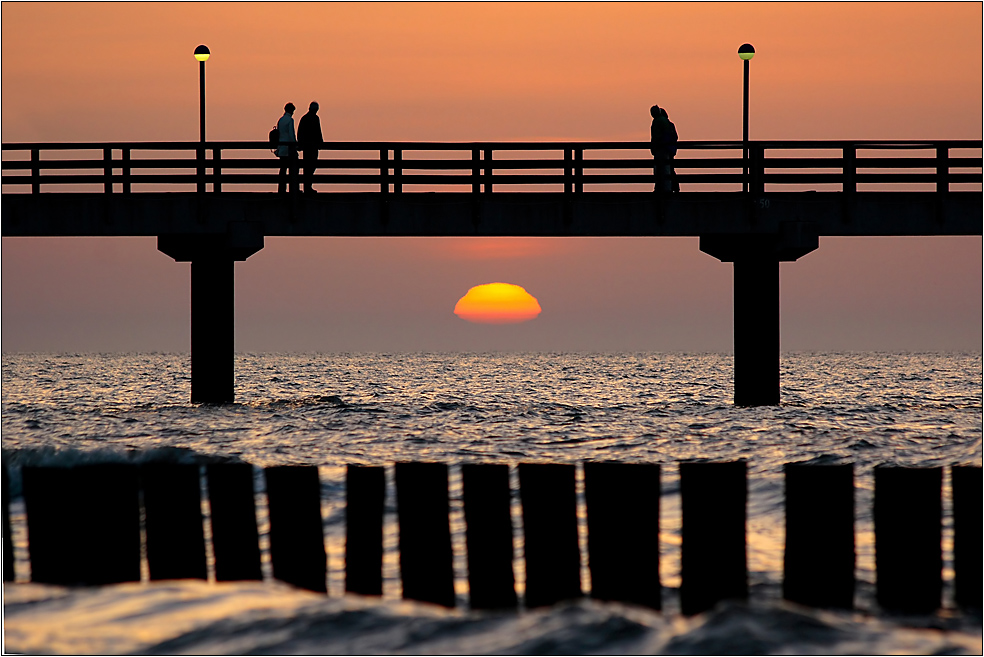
663, 138
309, 140
287, 150
670, 144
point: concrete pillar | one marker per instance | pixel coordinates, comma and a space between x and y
212, 258
756, 330
756, 259
213, 326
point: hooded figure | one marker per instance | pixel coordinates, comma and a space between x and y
670, 147
662, 137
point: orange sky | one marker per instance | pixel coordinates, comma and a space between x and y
501, 71
124, 71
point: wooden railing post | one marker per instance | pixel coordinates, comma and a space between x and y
850, 168
942, 168
756, 168
568, 170
216, 169
384, 170
476, 171
125, 161
578, 170
35, 170
200, 156
108, 170
397, 170
488, 170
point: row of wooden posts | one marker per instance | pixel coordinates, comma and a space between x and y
84, 528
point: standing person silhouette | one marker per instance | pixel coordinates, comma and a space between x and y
287, 150
670, 147
663, 138
658, 148
309, 140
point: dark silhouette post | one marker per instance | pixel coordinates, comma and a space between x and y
756, 317
173, 510
908, 539
426, 562
713, 563
553, 559
83, 524
297, 542
212, 259
745, 52
201, 54
488, 535
756, 259
235, 539
818, 563
967, 553
365, 497
8, 543
623, 537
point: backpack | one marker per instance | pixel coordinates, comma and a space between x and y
274, 138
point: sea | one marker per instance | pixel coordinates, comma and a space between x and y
331, 410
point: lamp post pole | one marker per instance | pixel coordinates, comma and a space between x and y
201, 54
745, 52
201, 89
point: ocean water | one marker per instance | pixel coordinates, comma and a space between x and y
913, 409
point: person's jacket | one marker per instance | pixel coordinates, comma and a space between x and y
286, 128
663, 135
309, 131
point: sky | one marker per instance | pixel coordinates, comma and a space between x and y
496, 72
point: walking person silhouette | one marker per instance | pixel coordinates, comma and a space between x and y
287, 150
309, 140
663, 138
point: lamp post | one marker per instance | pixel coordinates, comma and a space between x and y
201, 54
745, 53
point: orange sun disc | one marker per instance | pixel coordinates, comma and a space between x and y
497, 303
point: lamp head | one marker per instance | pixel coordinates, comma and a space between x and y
202, 53
746, 51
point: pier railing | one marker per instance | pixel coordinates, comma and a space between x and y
89, 524
485, 167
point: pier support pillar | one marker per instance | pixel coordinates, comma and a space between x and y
213, 327
756, 261
756, 331
212, 259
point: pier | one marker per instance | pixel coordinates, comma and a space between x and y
214, 203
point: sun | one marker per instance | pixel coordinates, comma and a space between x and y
497, 303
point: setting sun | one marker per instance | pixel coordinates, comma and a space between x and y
497, 303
